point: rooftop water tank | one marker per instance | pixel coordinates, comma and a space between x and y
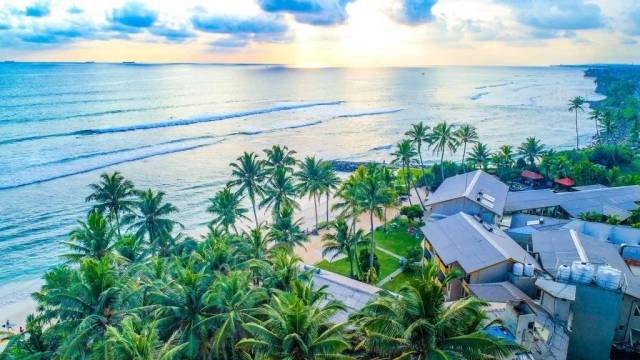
608, 277
528, 270
582, 273
518, 269
563, 274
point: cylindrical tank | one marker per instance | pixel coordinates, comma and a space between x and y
518, 269
528, 269
608, 277
582, 273
564, 273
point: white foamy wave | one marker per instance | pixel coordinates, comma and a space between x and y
369, 113
478, 95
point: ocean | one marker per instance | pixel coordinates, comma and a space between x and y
176, 127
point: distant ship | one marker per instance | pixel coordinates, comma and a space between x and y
128, 62
89, 62
8, 62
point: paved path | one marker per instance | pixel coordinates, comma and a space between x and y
388, 252
390, 276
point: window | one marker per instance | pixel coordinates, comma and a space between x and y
636, 311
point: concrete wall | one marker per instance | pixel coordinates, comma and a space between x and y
628, 319
495, 273
558, 308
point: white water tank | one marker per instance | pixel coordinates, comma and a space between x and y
582, 273
528, 270
608, 277
563, 274
518, 269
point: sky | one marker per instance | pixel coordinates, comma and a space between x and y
311, 33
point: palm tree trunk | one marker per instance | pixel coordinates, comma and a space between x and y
577, 138
350, 256
415, 187
372, 245
253, 204
406, 169
118, 225
328, 207
442, 164
464, 151
420, 157
315, 206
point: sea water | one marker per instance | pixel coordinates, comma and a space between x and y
176, 128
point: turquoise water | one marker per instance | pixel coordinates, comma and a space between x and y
176, 127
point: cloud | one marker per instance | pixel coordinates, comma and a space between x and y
311, 12
414, 12
230, 42
634, 18
37, 9
556, 15
238, 25
172, 35
75, 10
134, 14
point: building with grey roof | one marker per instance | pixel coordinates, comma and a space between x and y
481, 251
475, 193
618, 201
503, 291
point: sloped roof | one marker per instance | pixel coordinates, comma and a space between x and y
609, 201
498, 292
477, 186
617, 234
556, 289
473, 245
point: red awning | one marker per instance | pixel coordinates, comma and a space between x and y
565, 182
531, 175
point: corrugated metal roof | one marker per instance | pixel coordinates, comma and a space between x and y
616, 200
498, 292
477, 186
556, 289
461, 238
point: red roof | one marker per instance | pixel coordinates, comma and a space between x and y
531, 175
565, 182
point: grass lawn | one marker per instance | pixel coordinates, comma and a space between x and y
388, 264
398, 241
396, 283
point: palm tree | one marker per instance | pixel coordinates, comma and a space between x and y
227, 208
480, 156
388, 179
279, 192
136, 339
608, 127
285, 231
466, 134
279, 157
575, 104
597, 115
330, 181
417, 324
403, 155
151, 219
339, 242
248, 174
348, 205
503, 159
294, 330
532, 150
442, 138
113, 194
93, 239
371, 195
284, 269
310, 181
418, 135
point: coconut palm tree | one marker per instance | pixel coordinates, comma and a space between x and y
576, 104
419, 135
113, 194
151, 218
480, 156
310, 181
136, 339
248, 175
279, 157
286, 231
94, 239
417, 324
466, 134
280, 191
596, 115
404, 154
339, 242
371, 195
503, 159
348, 205
388, 179
608, 127
330, 181
532, 150
442, 138
293, 330
284, 269
226, 206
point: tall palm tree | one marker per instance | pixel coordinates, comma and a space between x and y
371, 195
608, 127
339, 242
279, 157
442, 138
466, 134
113, 194
417, 324
576, 104
403, 155
532, 150
503, 159
330, 181
152, 219
596, 115
419, 135
280, 191
388, 179
248, 174
348, 205
480, 155
294, 330
136, 339
226, 206
284, 269
94, 239
310, 181
286, 231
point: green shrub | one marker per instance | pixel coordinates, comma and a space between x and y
412, 212
363, 258
611, 155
